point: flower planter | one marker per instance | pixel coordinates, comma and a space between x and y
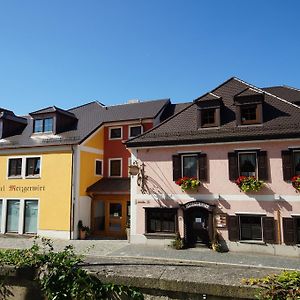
249, 184
296, 183
188, 184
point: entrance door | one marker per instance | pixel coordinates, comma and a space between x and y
197, 226
109, 217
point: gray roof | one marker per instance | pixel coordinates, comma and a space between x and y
281, 119
90, 117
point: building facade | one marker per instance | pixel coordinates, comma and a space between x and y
235, 130
55, 170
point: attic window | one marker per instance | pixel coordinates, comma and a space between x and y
249, 114
208, 117
43, 125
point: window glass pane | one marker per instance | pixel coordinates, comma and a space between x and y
48, 124
0, 213
98, 167
31, 214
298, 229
38, 126
248, 113
33, 166
190, 166
15, 167
251, 228
135, 131
115, 133
161, 220
12, 223
99, 216
208, 116
297, 162
247, 163
115, 168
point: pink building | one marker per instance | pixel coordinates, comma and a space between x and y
235, 130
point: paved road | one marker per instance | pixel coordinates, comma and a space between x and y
96, 249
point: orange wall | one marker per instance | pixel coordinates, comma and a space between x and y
116, 148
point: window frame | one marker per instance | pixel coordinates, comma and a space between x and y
205, 110
256, 161
131, 126
40, 167
293, 161
8, 167
109, 167
43, 125
189, 155
98, 160
161, 219
112, 128
24, 216
261, 227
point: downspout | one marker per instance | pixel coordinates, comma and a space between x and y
72, 194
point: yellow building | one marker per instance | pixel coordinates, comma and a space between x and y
50, 158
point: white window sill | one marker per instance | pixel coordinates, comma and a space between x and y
33, 177
254, 242
14, 177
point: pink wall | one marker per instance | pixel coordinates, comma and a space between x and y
158, 168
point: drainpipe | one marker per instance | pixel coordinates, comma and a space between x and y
72, 194
279, 226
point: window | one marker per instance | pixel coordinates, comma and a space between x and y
290, 163
115, 167
251, 228
98, 167
135, 130
247, 164
208, 117
31, 215
249, 114
12, 219
189, 166
161, 220
14, 167
1, 205
43, 125
33, 166
296, 161
115, 133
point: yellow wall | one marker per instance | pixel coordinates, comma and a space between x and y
96, 140
87, 161
55, 188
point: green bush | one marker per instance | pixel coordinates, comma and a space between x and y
283, 286
60, 276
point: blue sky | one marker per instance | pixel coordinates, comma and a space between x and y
67, 53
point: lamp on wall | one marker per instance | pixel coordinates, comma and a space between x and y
139, 170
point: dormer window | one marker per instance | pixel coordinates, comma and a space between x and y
43, 125
210, 111
249, 114
208, 117
249, 107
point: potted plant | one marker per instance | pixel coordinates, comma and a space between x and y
178, 242
296, 183
188, 183
249, 184
216, 244
84, 231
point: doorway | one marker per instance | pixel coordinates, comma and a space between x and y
109, 216
198, 226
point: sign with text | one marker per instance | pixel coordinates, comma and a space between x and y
197, 204
22, 189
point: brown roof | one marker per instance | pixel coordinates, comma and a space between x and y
281, 119
286, 92
110, 186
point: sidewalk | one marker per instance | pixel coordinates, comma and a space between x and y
96, 249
